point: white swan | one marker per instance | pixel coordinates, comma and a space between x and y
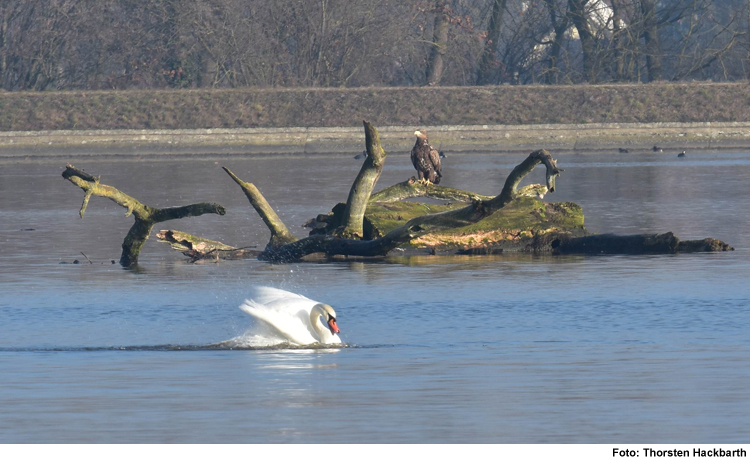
293, 317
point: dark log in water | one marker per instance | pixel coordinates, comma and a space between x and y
565, 243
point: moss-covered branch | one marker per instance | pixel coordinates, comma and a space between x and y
145, 216
91, 186
361, 189
418, 188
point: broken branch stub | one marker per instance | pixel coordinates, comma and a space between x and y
280, 234
145, 216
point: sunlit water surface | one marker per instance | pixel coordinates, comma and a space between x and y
611, 349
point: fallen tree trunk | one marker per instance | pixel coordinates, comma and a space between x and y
565, 243
145, 217
419, 226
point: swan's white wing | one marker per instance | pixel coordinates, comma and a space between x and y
287, 303
287, 325
266, 295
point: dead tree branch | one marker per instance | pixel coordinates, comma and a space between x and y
359, 194
145, 217
280, 234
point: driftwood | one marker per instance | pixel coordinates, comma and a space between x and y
555, 228
145, 217
666, 243
332, 244
565, 243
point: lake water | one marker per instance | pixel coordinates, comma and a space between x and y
513, 349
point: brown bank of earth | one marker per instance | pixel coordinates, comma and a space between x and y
393, 106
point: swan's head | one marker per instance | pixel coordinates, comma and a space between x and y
328, 314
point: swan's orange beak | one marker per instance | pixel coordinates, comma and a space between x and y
332, 326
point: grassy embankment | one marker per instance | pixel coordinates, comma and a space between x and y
511, 105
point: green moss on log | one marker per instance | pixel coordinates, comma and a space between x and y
523, 218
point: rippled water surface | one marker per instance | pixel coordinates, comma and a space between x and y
509, 349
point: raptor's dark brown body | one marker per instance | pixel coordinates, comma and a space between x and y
426, 159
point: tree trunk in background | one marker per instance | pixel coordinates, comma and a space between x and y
488, 61
577, 12
560, 24
439, 45
617, 40
651, 37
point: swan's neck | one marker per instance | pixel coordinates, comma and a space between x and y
318, 325
324, 334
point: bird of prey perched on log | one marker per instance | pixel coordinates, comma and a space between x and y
426, 159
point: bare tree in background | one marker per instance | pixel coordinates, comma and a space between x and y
132, 44
560, 22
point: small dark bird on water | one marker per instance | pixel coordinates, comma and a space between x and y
623, 150
682, 154
361, 155
441, 154
658, 149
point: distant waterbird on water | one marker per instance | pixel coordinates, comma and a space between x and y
623, 150
657, 149
361, 155
682, 154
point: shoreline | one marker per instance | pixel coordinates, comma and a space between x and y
311, 141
